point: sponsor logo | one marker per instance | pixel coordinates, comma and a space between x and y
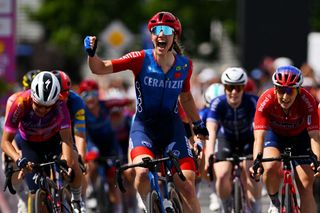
131, 55
176, 152
146, 143
177, 75
80, 115
153, 82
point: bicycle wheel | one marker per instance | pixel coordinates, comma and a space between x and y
66, 201
237, 196
153, 202
175, 199
42, 204
288, 200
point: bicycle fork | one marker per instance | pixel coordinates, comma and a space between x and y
288, 181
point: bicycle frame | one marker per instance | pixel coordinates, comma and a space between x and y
153, 176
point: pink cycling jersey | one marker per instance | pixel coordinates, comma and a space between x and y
302, 114
32, 127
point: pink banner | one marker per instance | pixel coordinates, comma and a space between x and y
7, 39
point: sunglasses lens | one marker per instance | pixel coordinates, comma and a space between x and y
88, 94
165, 29
230, 88
283, 90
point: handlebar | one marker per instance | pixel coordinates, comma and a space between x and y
286, 157
235, 159
35, 166
148, 163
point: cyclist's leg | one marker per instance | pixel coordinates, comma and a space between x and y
223, 169
141, 146
181, 149
304, 175
304, 179
252, 187
271, 177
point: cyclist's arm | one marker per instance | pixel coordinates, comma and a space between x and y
80, 140
315, 142
99, 66
258, 144
212, 127
189, 106
66, 139
7, 147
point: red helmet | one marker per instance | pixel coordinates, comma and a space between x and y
165, 18
287, 76
87, 85
65, 83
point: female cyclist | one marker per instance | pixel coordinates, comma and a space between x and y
230, 128
286, 115
38, 122
162, 75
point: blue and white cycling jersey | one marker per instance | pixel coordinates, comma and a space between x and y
234, 124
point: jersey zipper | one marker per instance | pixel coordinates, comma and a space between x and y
235, 125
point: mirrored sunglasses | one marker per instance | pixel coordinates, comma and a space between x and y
88, 94
287, 90
165, 29
230, 88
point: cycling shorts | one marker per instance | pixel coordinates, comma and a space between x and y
143, 142
299, 144
226, 148
38, 152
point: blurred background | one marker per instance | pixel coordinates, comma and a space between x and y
48, 34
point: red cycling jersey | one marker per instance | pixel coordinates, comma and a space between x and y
302, 114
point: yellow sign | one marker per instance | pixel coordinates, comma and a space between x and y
116, 38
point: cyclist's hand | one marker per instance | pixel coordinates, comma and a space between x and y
198, 147
200, 130
256, 170
317, 171
90, 45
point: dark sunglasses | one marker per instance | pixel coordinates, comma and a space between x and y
88, 94
165, 29
39, 106
287, 90
230, 88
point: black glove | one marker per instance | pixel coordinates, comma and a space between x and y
22, 162
91, 51
199, 128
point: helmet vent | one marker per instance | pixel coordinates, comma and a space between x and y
160, 16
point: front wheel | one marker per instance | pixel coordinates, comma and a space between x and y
42, 203
237, 196
175, 199
153, 202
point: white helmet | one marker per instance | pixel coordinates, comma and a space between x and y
45, 88
234, 76
214, 90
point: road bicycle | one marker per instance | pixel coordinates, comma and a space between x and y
289, 201
166, 200
52, 195
239, 204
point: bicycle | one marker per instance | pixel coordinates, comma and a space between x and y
158, 201
52, 195
289, 201
239, 204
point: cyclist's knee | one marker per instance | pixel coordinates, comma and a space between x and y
142, 175
271, 169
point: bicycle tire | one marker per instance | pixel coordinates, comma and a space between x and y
41, 202
288, 203
153, 202
66, 201
237, 197
175, 198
